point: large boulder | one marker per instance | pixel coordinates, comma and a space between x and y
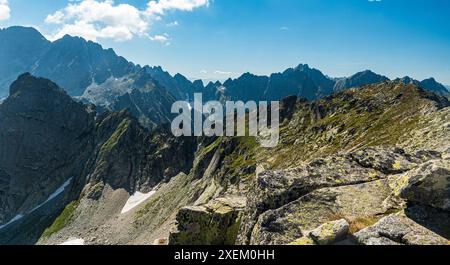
398, 230
296, 219
216, 223
275, 189
429, 184
362, 187
326, 234
330, 233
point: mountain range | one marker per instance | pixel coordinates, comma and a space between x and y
26, 50
76, 65
87, 157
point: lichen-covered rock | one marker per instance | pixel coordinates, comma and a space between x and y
160, 242
293, 220
429, 184
388, 161
303, 241
330, 233
216, 223
275, 189
327, 234
398, 230
362, 187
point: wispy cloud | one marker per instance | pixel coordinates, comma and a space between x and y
160, 7
284, 28
219, 72
164, 39
172, 24
104, 19
4, 10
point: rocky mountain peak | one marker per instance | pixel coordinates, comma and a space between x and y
432, 85
360, 79
408, 80
41, 120
23, 33
302, 67
27, 83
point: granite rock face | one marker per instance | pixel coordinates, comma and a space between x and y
326, 234
429, 184
398, 230
44, 140
360, 187
216, 223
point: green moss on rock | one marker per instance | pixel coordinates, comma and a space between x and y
115, 137
64, 219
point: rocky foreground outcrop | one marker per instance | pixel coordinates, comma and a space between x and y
371, 189
216, 223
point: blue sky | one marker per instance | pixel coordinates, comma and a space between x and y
221, 38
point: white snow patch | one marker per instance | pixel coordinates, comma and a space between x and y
16, 218
136, 199
73, 242
54, 194
51, 197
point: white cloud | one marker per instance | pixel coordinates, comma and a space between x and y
103, 19
218, 72
172, 24
159, 7
4, 10
164, 39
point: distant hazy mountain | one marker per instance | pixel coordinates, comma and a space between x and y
72, 62
429, 84
301, 81
20, 48
179, 86
358, 80
408, 80
432, 85
308, 83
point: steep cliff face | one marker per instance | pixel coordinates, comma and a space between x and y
44, 141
